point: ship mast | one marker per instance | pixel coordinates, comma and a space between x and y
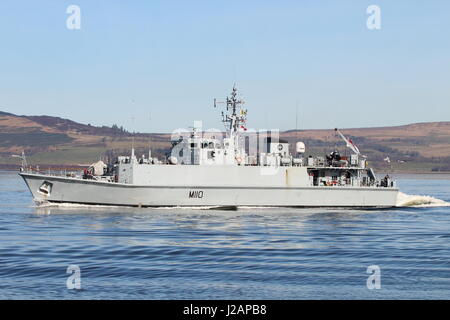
233, 104
236, 116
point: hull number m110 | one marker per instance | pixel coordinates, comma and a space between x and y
196, 194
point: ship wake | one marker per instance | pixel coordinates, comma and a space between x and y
68, 205
408, 200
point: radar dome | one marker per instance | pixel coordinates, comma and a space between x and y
300, 147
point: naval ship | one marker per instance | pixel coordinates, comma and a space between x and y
219, 170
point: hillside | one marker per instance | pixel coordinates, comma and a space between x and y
54, 141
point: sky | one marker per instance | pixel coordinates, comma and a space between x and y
154, 66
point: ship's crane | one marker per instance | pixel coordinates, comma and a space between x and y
348, 142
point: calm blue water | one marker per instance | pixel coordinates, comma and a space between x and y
211, 254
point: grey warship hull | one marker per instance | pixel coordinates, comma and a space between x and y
71, 190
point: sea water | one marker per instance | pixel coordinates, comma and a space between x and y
83, 252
